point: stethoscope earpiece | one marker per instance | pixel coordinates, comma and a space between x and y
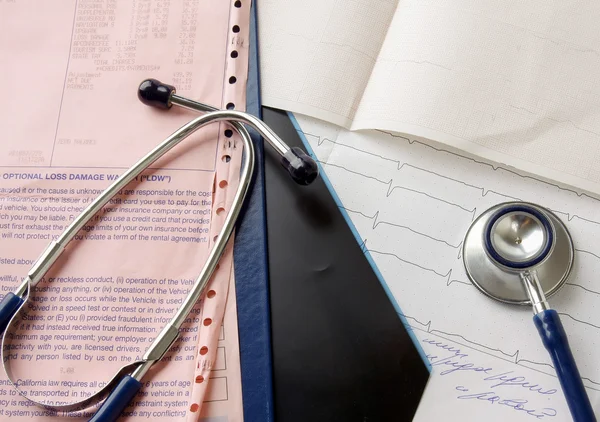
154, 93
300, 166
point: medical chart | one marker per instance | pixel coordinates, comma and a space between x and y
515, 82
72, 125
411, 203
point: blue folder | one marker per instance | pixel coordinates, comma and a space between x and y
251, 270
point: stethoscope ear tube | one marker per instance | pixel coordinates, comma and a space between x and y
301, 167
8, 307
118, 400
119, 392
15, 302
555, 341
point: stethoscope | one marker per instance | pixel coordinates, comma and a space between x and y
521, 253
119, 392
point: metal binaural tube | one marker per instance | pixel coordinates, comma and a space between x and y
171, 330
301, 167
266, 132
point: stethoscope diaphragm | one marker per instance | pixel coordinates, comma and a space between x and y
513, 237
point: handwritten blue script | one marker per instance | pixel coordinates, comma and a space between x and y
520, 381
452, 359
516, 404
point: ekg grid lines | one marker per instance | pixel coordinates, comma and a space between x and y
399, 192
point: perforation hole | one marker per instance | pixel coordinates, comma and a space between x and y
220, 210
228, 133
234, 54
194, 408
207, 322
235, 29
199, 379
211, 294
223, 184
238, 4
230, 106
203, 350
232, 80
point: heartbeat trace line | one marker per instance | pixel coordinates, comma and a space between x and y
484, 192
579, 285
588, 252
579, 320
364, 248
473, 212
449, 281
572, 216
584, 288
377, 223
494, 167
447, 276
392, 187
514, 356
401, 164
507, 357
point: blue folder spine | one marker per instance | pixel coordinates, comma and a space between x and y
251, 269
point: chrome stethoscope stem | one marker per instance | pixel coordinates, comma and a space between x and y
532, 285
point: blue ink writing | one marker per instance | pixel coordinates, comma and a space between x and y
447, 347
456, 365
518, 381
515, 404
456, 362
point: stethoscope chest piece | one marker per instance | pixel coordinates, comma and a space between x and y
513, 237
521, 253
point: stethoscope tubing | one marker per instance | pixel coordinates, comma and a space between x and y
546, 320
555, 341
13, 303
120, 390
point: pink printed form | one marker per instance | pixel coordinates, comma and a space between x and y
72, 125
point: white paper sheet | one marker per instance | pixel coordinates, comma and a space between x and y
515, 82
411, 204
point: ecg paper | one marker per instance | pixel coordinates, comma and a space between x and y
411, 204
516, 82
73, 125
